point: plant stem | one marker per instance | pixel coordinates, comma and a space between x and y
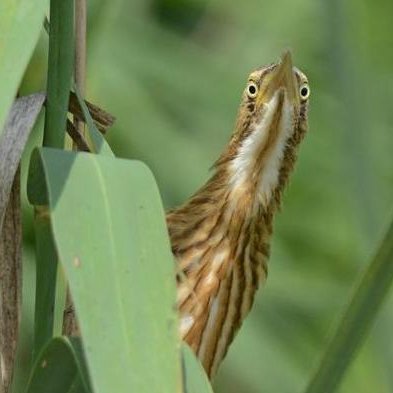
353, 327
80, 53
60, 67
60, 61
70, 326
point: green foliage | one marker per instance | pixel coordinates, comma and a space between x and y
20, 23
46, 274
194, 377
59, 368
174, 86
60, 67
117, 258
98, 142
365, 303
122, 287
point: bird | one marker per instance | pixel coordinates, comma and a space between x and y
220, 237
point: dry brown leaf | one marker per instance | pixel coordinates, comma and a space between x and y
17, 129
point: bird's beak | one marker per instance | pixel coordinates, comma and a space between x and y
283, 77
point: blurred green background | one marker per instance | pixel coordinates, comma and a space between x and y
172, 72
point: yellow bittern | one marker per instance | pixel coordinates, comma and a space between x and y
220, 236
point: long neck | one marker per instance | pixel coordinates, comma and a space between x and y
248, 177
260, 155
220, 238
222, 249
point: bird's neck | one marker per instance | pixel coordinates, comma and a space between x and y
220, 236
221, 244
222, 209
254, 162
246, 185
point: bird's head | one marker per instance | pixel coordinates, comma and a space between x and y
272, 120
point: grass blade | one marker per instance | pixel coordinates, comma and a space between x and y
46, 274
353, 327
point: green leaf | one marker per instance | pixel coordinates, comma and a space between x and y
194, 377
99, 142
59, 368
46, 279
21, 22
354, 325
60, 68
118, 261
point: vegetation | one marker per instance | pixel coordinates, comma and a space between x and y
172, 72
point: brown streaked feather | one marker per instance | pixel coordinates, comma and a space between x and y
221, 236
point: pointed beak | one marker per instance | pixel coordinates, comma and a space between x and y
283, 77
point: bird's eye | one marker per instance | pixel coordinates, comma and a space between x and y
304, 91
252, 90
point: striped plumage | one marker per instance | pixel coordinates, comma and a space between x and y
220, 237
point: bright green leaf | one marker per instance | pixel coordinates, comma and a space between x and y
46, 273
194, 377
20, 22
110, 233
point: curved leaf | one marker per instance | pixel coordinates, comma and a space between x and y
117, 258
59, 368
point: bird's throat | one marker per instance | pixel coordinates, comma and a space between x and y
256, 166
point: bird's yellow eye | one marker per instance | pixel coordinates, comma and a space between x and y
252, 89
304, 91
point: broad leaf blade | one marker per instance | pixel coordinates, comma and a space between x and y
117, 257
194, 377
21, 22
